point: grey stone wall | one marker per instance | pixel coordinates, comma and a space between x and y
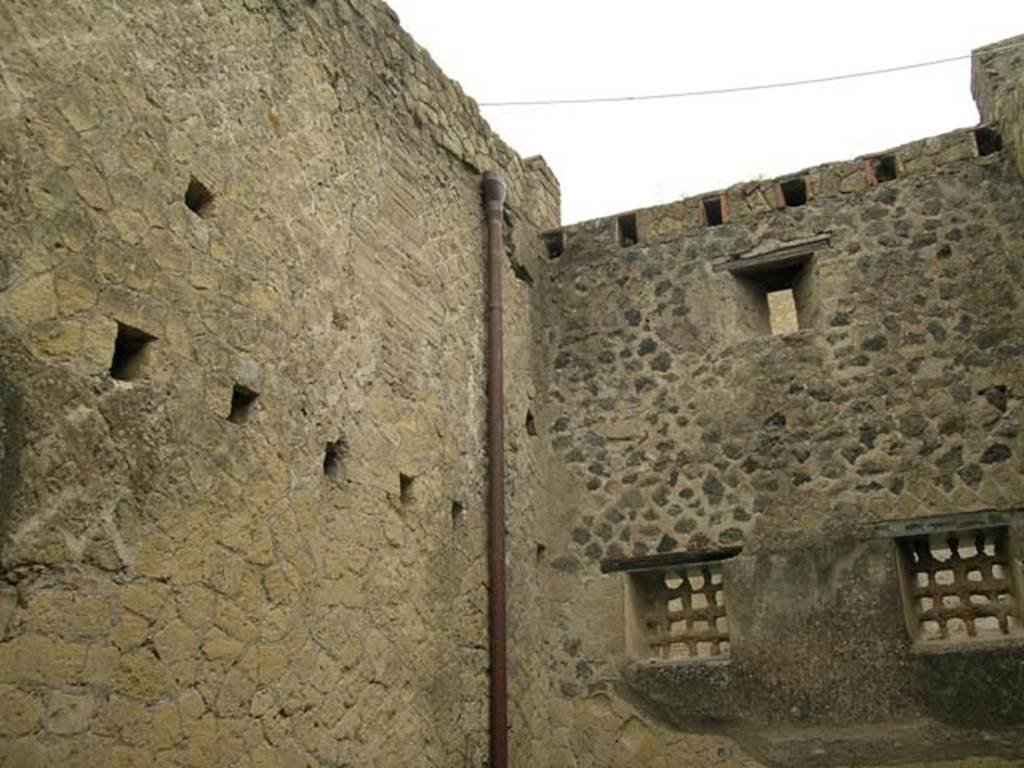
688, 427
192, 577
681, 424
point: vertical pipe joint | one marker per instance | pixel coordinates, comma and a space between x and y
495, 191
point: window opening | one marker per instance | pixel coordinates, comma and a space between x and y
960, 585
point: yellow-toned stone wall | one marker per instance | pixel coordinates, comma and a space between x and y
182, 590
184, 587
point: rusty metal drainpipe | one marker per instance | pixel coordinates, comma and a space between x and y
494, 201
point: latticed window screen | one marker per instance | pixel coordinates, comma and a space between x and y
691, 622
961, 585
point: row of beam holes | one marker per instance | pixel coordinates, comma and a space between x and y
407, 497
128, 359
792, 192
698, 601
932, 630
131, 354
199, 199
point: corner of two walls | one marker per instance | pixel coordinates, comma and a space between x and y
997, 82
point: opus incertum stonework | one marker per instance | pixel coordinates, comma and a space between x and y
762, 448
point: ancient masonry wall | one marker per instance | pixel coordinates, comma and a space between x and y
681, 424
242, 417
260, 539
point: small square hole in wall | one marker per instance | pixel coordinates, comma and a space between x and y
242, 400
334, 458
793, 192
531, 424
714, 210
555, 244
131, 353
988, 140
198, 197
883, 168
960, 585
627, 230
405, 487
458, 514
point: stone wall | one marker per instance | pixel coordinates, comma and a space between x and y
190, 584
681, 424
242, 508
997, 82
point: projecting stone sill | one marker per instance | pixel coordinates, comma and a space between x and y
971, 645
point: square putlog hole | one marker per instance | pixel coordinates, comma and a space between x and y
626, 225
531, 424
555, 244
458, 514
198, 197
242, 399
131, 353
883, 168
405, 487
714, 210
988, 140
334, 458
793, 192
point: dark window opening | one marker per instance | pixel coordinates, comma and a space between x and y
883, 168
242, 399
405, 491
794, 192
627, 230
131, 352
713, 213
988, 140
555, 243
334, 458
198, 197
458, 514
531, 424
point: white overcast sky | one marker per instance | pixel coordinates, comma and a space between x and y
611, 158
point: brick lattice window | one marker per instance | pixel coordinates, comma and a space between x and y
960, 585
689, 620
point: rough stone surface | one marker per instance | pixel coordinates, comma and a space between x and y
242, 470
181, 589
681, 424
